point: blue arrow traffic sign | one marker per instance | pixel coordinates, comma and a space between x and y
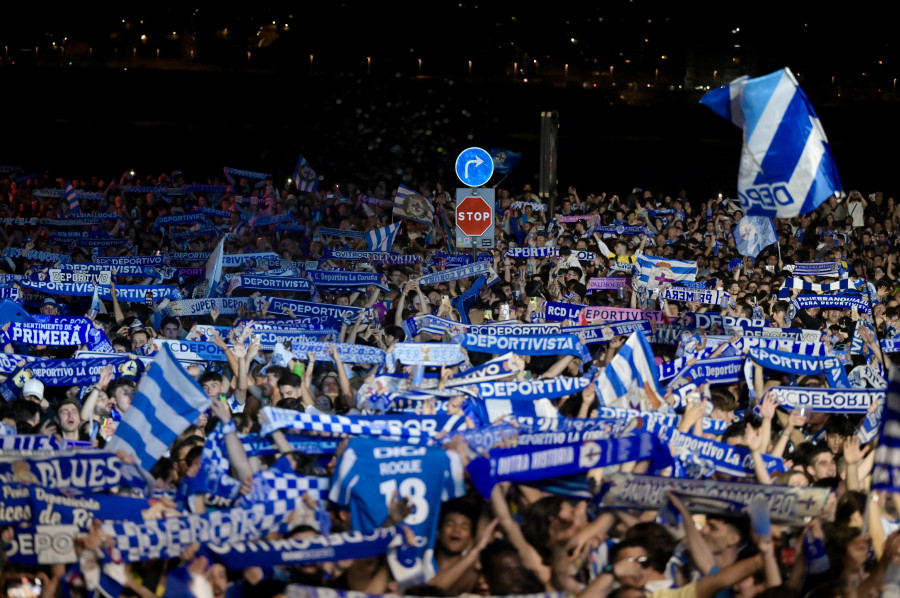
474, 167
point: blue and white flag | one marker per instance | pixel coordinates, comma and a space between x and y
753, 234
786, 163
168, 400
631, 379
886, 474
413, 206
655, 272
72, 200
305, 177
382, 239
214, 268
504, 160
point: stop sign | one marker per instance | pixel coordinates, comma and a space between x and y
474, 216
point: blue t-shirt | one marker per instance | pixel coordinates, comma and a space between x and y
371, 470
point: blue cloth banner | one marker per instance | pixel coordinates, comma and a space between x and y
56, 331
322, 313
68, 372
610, 283
249, 261
707, 321
622, 229
557, 312
373, 257
338, 232
721, 370
179, 220
786, 167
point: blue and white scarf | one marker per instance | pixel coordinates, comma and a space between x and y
621, 229
134, 260
725, 458
197, 256
188, 350
83, 471
802, 364
521, 205
509, 328
393, 426
610, 283
531, 390
593, 313
844, 284
301, 551
373, 257
348, 353
826, 269
68, 372
842, 301
191, 218
338, 278
721, 370
273, 219
594, 334
275, 283
789, 505
524, 464
428, 354
323, 313
248, 174
167, 538
709, 320
248, 260
559, 344
705, 296
196, 307
828, 400
467, 271
541, 252
38, 256
336, 232
129, 293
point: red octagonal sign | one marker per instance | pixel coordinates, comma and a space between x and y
474, 216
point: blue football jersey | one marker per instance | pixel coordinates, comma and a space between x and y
370, 471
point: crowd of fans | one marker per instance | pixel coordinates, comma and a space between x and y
526, 538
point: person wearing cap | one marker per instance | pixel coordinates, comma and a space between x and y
33, 391
50, 307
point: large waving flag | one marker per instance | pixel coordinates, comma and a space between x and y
305, 177
754, 233
72, 199
382, 239
886, 474
504, 159
654, 272
214, 265
167, 401
630, 379
413, 206
786, 164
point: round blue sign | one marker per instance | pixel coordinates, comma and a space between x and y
474, 167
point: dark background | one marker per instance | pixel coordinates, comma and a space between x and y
187, 96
